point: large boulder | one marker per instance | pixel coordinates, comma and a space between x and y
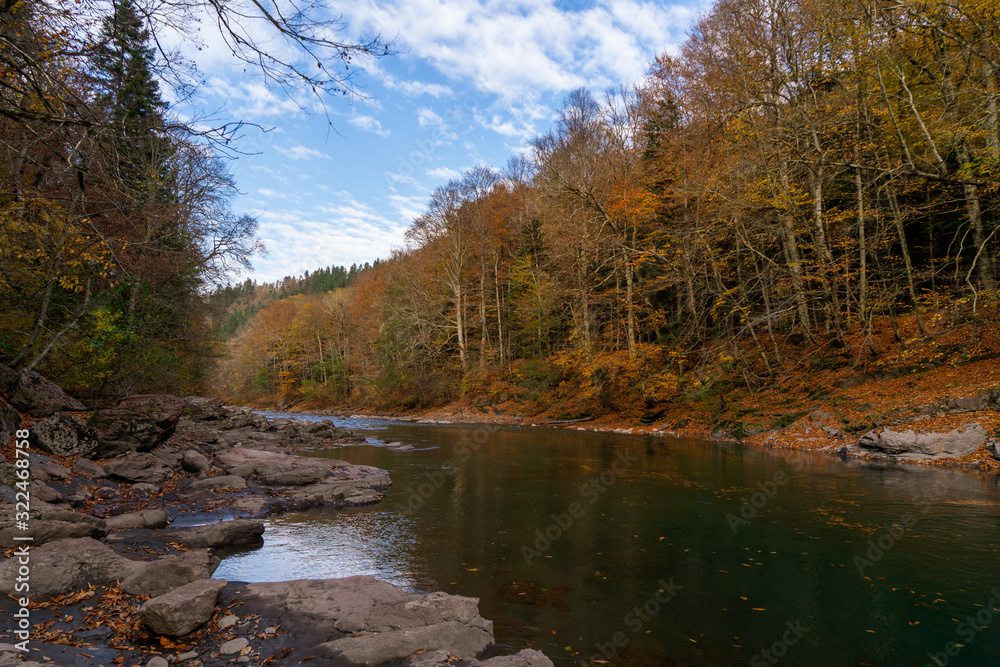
920, 445
371, 622
33, 391
136, 423
182, 610
274, 468
152, 519
64, 435
235, 533
139, 468
163, 575
65, 566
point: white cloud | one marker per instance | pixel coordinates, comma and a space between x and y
369, 124
444, 174
426, 117
300, 152
522, 49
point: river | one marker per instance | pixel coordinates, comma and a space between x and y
643, 550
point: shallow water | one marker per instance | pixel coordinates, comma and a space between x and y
574, 541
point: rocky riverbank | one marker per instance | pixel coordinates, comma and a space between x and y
130, 509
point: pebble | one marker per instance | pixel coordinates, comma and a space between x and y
157, 662
233, 646
243, 659
270, 630
227, 622
190, 655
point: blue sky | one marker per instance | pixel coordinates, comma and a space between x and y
472, 84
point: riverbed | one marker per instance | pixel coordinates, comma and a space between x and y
641, 550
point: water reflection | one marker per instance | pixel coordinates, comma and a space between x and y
461, 515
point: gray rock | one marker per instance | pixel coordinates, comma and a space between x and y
33, 391
227, 622
139, 468
41, 491
157, 661
160, 576
235, 533
996, 450
377, 622
234, 646
89, 469
137, 423
65, 566
918, 445
8, 378
184, 657
10, 656
274, 468
970, 403
42, 532
144, 519
243, 659
183, 609
49, 472
64, 435
221, 482
145, 487
195, 461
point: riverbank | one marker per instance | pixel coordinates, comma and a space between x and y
115, 518
925, 400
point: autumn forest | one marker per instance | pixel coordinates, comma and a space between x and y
799, 175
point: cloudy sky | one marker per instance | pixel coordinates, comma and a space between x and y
473, 82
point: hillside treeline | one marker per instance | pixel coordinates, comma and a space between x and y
799, 174
114, 210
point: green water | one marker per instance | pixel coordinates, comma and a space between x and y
574, 541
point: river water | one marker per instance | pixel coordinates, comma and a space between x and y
653, 551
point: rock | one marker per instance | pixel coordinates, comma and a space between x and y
8, 378
996, 450
227, 622
146, 488
160, 576
273, 468
184, 657
234, 646
139, 468
371, 622
41, 491
48, 472
157, 661
64, 435
183, 609
243, 659
136, 423
221, 482
918, 445
87, 468
200, 408
10, 656
145, 519
970, 403
10, 421
33, 391
235, 533
42, 531
195, 462
65, 566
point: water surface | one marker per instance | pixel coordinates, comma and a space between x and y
574, 541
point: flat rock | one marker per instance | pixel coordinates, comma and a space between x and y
34, 390
89, 469
234, 646
139, 468
160, 576
919, 445
145, 519
68, 565
183, 609
42, 532
50, 471
235, 533
64, 435
220, 482
137, 423
274, 468
376, 621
